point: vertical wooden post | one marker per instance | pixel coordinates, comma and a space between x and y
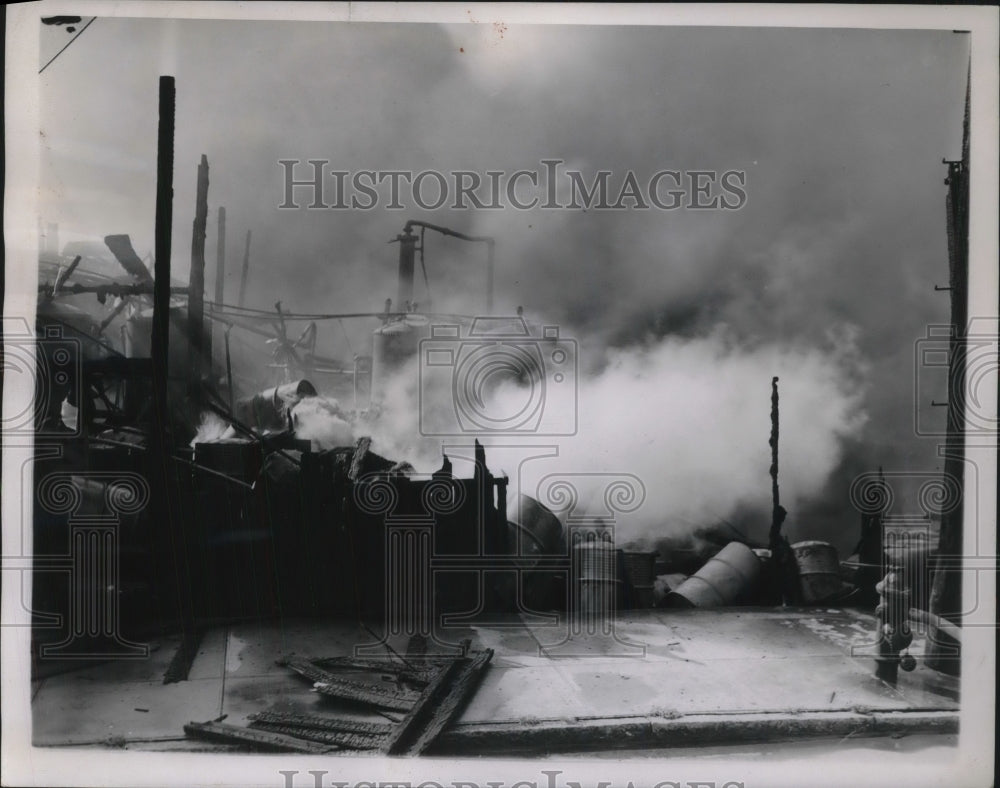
776, 510
946, 588
220, 257
168, 538
196, 283
220, 273
161, 269
246, 271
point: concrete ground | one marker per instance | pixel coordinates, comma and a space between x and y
661, 679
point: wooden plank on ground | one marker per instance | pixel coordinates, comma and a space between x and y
317, 722
232, 734
340, 739
398, 700
439, 704
417, 671
328, 684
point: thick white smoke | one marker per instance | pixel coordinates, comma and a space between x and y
689, 417
321, 421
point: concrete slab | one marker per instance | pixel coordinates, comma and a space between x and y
210, 661
70, 711
770, 672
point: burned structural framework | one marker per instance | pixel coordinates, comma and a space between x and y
256, 524
190, 499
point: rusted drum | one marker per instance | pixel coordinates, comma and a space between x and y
595, 565
640, 566
723, 580
595, 559
819, 571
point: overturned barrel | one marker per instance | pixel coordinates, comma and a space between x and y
730, 575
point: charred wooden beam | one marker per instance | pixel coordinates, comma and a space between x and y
339, 739
246, 271
220, 274
220, 256
412, 673
121, 247
161, 266
103, 291
316, 722
328, 684
64, 274
232, 734
439, 704
196, 282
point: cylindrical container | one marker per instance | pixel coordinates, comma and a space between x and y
819, 570
595, 560
731, 574
640, 567
595, 569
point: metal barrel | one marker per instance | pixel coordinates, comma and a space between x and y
640, 566
725, 578
819, 570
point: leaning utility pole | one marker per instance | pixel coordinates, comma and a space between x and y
946, 586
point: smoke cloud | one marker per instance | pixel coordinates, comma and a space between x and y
825, 278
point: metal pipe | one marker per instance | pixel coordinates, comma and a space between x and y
489, 241
407, 245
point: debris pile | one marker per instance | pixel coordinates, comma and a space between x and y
404, 705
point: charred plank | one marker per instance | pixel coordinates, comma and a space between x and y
439, 704
232, 734
339, 739
316, 722
331, 685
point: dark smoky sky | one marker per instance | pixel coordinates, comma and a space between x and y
841, 134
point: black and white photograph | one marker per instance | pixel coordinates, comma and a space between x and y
523, 395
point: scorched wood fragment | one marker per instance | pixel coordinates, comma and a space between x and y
341, 739
328, 684
231, 734
322, 723
422, 672
439, 704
